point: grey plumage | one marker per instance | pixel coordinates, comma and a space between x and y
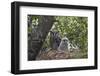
63, 44
55, 39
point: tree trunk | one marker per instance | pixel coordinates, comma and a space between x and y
39, 34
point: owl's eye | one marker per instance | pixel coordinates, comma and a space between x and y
65, 40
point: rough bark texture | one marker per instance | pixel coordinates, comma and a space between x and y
38, 36
53, 54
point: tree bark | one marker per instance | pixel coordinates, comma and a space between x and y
38, 35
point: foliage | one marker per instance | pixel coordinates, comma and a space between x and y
75, 28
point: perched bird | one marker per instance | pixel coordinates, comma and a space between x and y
64, 44
55, 39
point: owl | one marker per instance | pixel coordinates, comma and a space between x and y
64, 44
55, 39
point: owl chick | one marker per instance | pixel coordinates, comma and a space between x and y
63, 44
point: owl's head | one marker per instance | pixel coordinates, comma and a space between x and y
65, 40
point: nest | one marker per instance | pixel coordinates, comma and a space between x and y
53, 54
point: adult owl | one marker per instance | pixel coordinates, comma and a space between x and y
55, 39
